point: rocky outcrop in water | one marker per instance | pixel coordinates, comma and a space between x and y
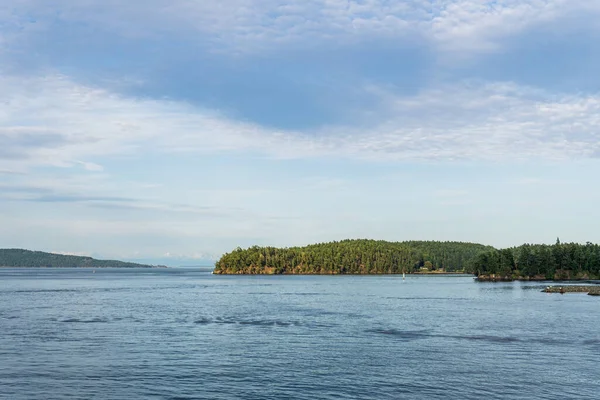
591, 290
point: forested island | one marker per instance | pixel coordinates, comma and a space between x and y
560, 261
354, 257
19, 258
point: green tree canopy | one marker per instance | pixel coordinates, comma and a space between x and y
351, 257
529, 261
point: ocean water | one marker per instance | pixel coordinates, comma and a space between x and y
187, 334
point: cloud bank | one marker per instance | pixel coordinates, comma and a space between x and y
55, 121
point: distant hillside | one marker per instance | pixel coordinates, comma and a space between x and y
19, 258
353, 257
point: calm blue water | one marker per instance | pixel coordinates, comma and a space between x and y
186, 334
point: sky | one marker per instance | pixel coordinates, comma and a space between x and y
172, 131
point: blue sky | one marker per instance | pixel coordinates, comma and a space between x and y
177, 130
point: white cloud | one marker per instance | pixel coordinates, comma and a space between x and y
241, 24
90, 166
54, 121
478, 25
259, 25
72, 253
10, 172
193, 256
489, 121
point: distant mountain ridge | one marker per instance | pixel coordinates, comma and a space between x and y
20, 258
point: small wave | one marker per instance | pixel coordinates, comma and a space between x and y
424, 334
85, 321
409, 335
426, 298
221, 320
46, 291
304, 294
550, 341
253, 322
489, 338
258, 322
592, 341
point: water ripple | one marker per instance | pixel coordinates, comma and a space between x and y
85, 321
185, 335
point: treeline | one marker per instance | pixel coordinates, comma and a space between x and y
352, 257
18, 258
561, 261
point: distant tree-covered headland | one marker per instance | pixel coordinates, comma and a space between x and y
18, 258
354, 257
560, 261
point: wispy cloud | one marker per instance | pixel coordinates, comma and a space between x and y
242, 26
72, 253
237, 23
494, 121
10, 172
17, 142
471, 25
90, 166
65, 192
471, 120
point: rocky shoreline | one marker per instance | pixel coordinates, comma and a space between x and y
591, 290
536, 278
